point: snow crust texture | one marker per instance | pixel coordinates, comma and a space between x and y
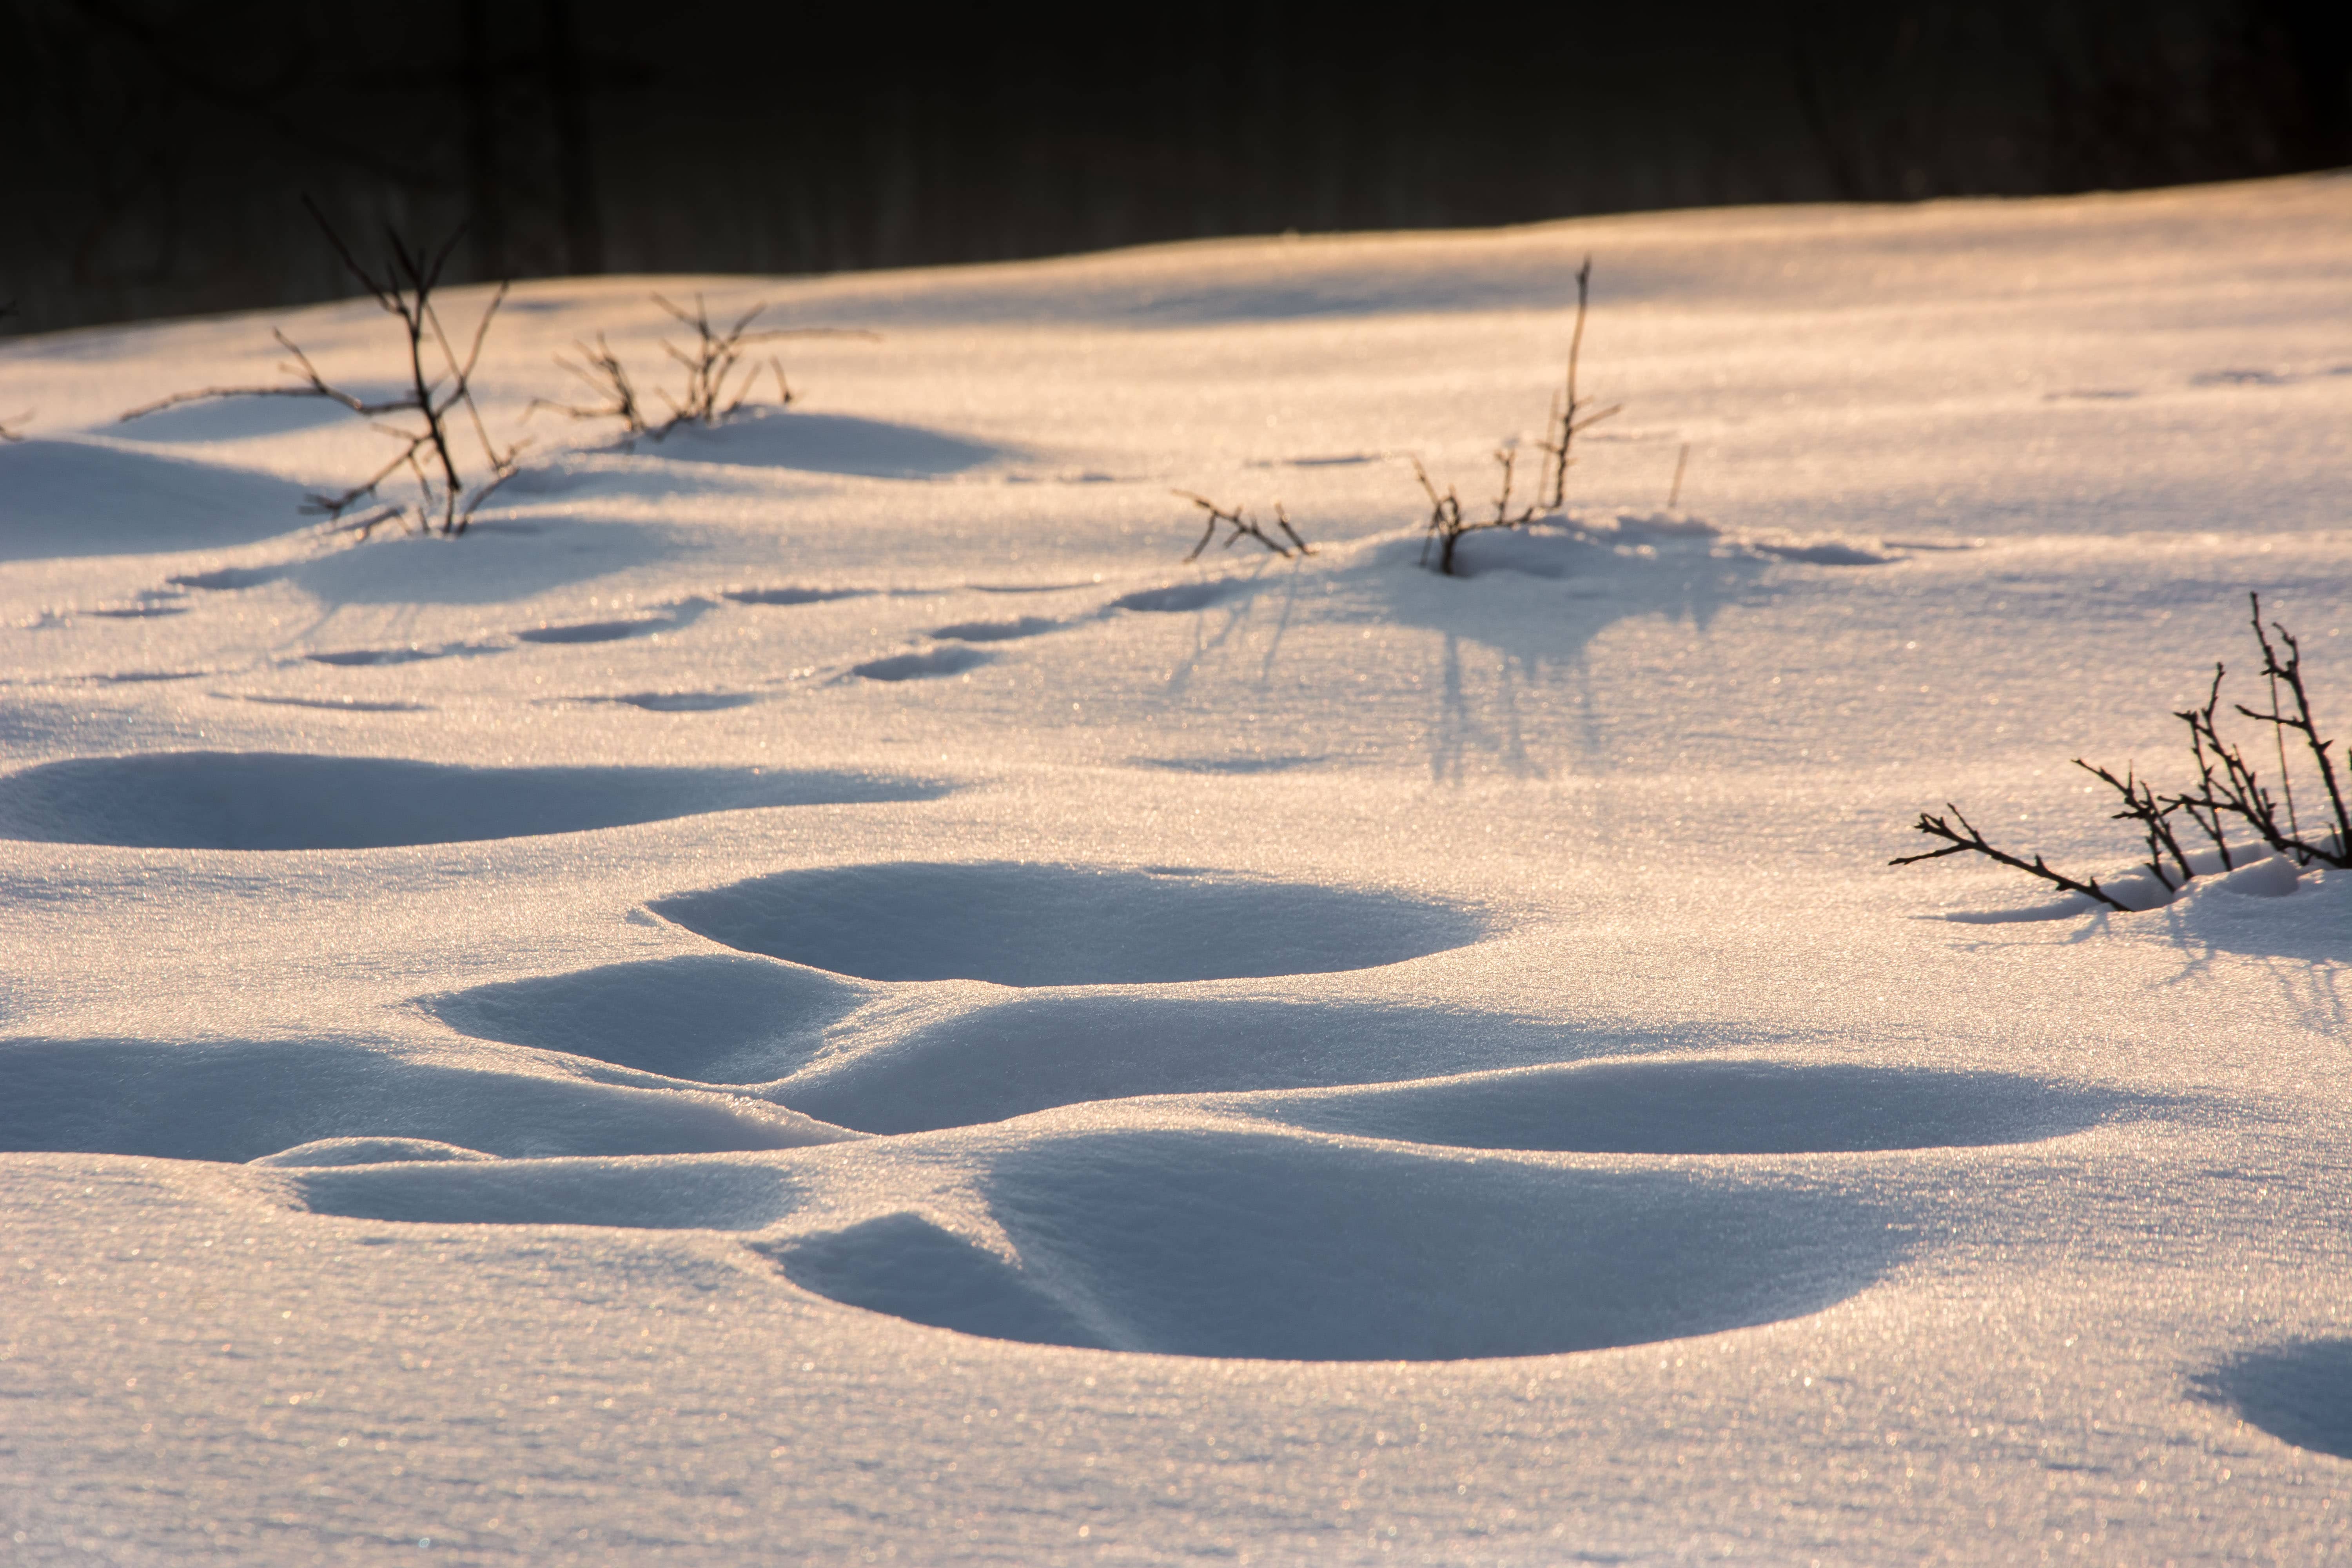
812, 991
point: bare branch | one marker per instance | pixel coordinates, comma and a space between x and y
1966, 840
2302, 723
711, 361
1244, 527
2141, 804
2228, 786
602, 371
1447, 523
403, 290
1568, 417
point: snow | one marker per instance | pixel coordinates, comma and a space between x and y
810, 991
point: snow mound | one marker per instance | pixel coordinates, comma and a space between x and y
1700, 1108
904, 1265
703, 1017
827, 444
241, 1100
2274, 876
2264, 904
1567, 545
367, 1152
1224, 1243
271, 800
666, 1195
2269, 908
88, 498
1037, 1052
1023, 925
1579, 546
2299, 1391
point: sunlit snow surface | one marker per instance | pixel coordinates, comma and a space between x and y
811, 992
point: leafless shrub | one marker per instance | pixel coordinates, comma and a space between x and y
445, 503
1447, 522
2228, 786
713, 390
712, 359
602, 369
1242, 526
1571, 414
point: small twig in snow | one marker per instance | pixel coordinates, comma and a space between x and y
1244, 527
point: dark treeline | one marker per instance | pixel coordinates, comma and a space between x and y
155, 150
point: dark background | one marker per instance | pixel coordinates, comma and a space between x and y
152, 152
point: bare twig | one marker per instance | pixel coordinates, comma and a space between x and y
713, 392
1571, 414
2142, 805
1447, 522
712, 358
1244, 527
2302, 724
1966, 840
708, 364
404, 289
602, 369
2201, 807
1674, 490
2229, 784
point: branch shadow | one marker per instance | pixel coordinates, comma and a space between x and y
1539, 630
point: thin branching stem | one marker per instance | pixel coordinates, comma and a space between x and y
404, 289
1966, 840
712, 393
2228, 786
1570, 416
1447, 522
1243, 526
2302, 723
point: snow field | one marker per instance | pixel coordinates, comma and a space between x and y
809, 992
